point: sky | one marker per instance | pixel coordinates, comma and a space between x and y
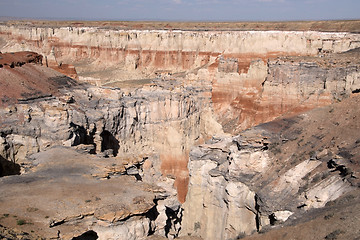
183, 10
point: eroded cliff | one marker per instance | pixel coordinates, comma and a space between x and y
234, 63
143, 131
274, 172
159, 94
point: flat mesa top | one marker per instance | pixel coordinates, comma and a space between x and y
327, 26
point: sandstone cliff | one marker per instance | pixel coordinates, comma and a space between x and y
235, 63
144, 121
273, 172
143, 131
291, 85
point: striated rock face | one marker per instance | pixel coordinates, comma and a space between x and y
218, 205
155, 120
273, 172
235, 63
143, 131
216, 208
283, 86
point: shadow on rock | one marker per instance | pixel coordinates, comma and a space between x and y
89, 235
8, 168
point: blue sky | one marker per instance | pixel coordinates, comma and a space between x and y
188, 10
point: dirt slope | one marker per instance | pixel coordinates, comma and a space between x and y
24, 78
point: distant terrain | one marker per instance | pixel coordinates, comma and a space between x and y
327, 26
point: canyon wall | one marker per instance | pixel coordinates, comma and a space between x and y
155, 120
235, 63
162, 92
291, 85
272, 173
55, 128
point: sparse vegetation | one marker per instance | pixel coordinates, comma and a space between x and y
275, 148
327, 217
197, 226
319, 136
32, 209
334, 235
335, 25
20, 222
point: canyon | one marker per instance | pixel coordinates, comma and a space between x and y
176, 133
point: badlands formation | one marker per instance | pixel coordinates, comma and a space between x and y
116, 132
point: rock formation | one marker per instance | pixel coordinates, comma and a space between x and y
23, 78
235, 63
273, 172
67, 197
112, 160
291, 85
143, 131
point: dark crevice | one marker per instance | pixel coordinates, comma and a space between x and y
80, 135
152, 214
356, 90
257, 216
8, 168
136, 170
109, 142
172, 220
138, 177
54, 223
169, 212
263, 83
272, 219
89, 235
301, 206
343, 170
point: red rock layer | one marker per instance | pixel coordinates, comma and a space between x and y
176, 166
66, 69
23, 77
19, 58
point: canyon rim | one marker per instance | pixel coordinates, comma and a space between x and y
116, 131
